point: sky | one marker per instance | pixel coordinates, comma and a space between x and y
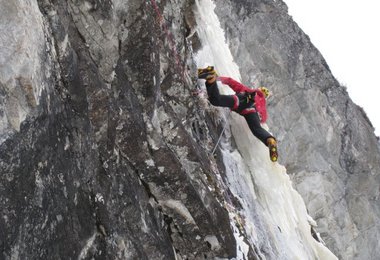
347, 33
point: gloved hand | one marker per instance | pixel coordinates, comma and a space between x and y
207, 73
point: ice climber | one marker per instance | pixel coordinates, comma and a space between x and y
248, 102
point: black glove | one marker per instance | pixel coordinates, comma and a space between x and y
206, 73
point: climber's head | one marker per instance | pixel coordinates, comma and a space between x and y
265, 91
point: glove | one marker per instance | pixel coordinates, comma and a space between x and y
207, 73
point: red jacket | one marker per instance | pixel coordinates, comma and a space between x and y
260, 103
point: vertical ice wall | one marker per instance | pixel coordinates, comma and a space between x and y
275, 216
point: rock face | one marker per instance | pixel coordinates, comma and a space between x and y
327, 142
97, 154
105, 154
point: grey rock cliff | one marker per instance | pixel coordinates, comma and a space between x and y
105, 154
326, 141
97, 154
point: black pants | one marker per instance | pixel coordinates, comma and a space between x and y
253, 119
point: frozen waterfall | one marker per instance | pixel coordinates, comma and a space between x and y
271, 207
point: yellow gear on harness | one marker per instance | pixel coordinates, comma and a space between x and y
265, 91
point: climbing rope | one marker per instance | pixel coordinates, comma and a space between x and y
175, 52
170, 38
221, 134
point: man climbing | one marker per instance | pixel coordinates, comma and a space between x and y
247, 102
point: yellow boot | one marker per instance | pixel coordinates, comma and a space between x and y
272, 145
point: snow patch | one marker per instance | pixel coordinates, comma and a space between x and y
87, 246
213, 241
99, 198
150, 163
144, 226
67, 143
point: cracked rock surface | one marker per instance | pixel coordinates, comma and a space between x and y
105, 154
98, 159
